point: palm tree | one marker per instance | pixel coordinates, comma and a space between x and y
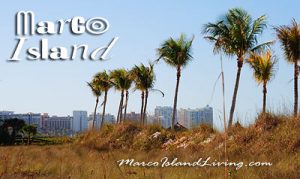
289, 36
105, 84
236, 34
122, 82
96, 92
263, 71
177, 54
144, 79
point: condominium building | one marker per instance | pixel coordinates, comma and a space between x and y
108, 119
43, 120
56, 125
163, 115
190, 118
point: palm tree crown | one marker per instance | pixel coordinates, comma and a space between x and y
236, 33
143, 77
121, 79
176, 52
95, 88
104, 80
289, 37
263, 66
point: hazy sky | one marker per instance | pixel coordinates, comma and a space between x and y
60, 87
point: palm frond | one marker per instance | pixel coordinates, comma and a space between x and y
289, 37
157, 90
95, 88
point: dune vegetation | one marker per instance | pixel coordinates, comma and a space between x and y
273, 139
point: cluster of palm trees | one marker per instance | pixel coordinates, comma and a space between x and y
143, 78
235, 34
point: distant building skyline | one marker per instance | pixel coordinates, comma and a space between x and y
81, 121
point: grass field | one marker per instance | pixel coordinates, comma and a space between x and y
272, 139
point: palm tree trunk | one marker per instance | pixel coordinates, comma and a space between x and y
28, 139
104, 108
264, 97
119, 110
296, 89
126, 103
175, 97
142, 107
237, 81
95, 111
121, 106
145, 109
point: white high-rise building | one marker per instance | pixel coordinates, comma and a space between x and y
79, 121
108, 119
190, 118
164, 115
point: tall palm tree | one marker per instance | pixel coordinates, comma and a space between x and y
236, 34
177, 54
122, 82
144, 79
94, 85
289, 36
263, 71
104, 82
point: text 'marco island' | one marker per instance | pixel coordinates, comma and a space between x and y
27, 27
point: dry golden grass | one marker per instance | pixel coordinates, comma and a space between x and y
274, 139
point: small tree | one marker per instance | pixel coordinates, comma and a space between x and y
6, 137
29, 130
263, 66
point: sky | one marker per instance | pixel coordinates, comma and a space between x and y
59, 87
